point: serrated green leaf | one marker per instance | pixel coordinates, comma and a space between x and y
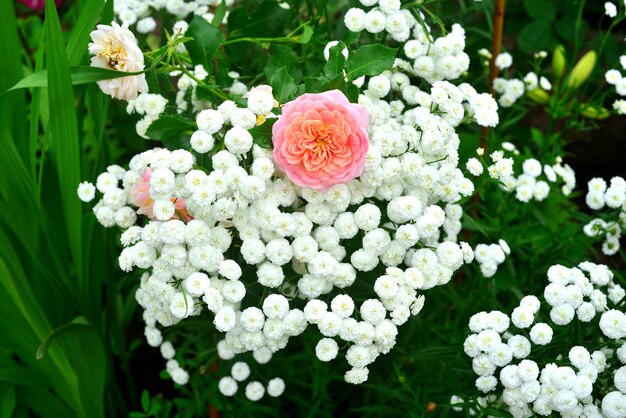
206, 40
168, 126
370, 60
282, 56
284, 87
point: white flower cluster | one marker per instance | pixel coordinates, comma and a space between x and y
528, 388
240, 371
614, 198
150, 105
142, 13
614, 77
510, 90
212, 236
489, 257
533, 183
302, 244
432, 59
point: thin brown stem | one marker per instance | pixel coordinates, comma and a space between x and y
496, 41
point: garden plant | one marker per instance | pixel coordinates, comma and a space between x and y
316, 208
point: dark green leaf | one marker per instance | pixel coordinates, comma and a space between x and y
283, 86
7, 400
370, 60
336, 61
10, 74
169, 126
219, 14
542, 10
268, 21
45, 344
65, 144
145, 400
262, 134
206, 40
282, 56
537, 36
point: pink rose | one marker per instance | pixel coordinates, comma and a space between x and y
321, 140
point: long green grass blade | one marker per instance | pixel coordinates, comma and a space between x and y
11, 73
65, 145
77, 43
78, 75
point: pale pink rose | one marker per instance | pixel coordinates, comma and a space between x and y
115, 47
321, 140
141, 198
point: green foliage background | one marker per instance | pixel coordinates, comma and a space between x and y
70, 330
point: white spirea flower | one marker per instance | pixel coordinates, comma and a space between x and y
474, 166
240, 371
179, 376
613, 324
614, 405
326, 349
115, 47
275, 387
504, 60
541, 334
227, 386
254, 391
167, 350
86, 191
275, 306
610, 9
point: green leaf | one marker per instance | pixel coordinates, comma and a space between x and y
541, 10
168, 126
283, 86
219, 14
537, 36
78, 75
79, 37
45, 344
282, 56
65, 145
268, 21
11, 73
307, 34
370, 60
145, 401
7, 400
206, 40
262, 134
336, 61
